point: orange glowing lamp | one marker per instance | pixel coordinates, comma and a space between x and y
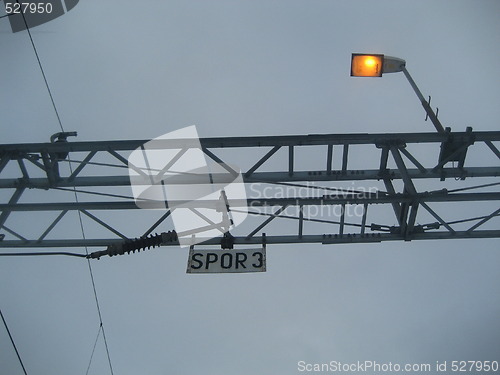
374, 65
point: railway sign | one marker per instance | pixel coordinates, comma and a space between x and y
227, 261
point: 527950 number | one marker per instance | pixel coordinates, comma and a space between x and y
17, 8
474, 366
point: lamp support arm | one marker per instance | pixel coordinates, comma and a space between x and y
425, 103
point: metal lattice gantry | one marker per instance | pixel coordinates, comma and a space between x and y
428, 185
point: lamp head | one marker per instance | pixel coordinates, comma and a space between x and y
374, 65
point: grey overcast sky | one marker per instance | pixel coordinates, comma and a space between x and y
123, 69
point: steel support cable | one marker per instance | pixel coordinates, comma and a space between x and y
100, 194
76, 196
104, 164
257, 181
127, 167
297, 218
353, 224
41, 69
94, 287
13, 343
145, 199
474, 187
100, 164
93, 349
471, 219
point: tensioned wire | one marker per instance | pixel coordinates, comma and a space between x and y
13, 343
314, 187
281, 216
285, 183
75, 193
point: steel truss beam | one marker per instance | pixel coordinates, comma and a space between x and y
44, 168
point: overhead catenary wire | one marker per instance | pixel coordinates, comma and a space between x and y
92, 280
76, 195
13, 343
42, 254
93, 349
42, 71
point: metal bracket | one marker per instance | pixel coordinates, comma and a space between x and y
227, 241
454, 149
58, 138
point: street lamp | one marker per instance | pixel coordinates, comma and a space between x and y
374, 65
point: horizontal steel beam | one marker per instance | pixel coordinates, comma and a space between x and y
261, 141
262, 177
287, 239
259, 202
